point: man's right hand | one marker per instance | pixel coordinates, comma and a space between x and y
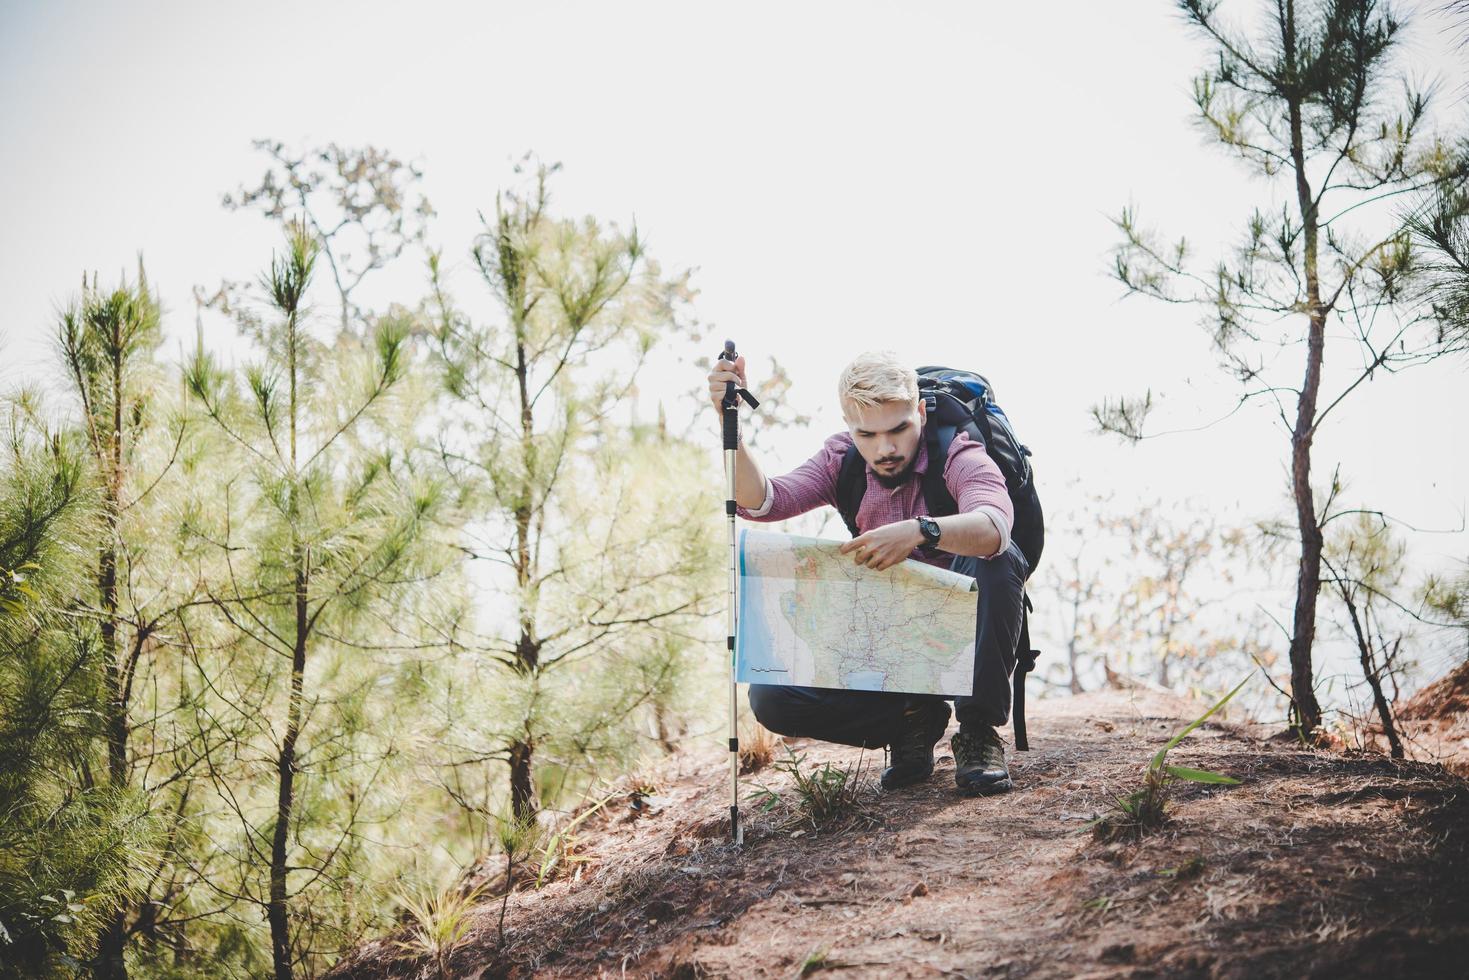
723, 373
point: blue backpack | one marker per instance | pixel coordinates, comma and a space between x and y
965, 401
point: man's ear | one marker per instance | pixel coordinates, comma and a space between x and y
922, 411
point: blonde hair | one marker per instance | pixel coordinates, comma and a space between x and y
876, 377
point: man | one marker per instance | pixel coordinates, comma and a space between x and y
885, 419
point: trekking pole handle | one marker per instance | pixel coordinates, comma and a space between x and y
731, 392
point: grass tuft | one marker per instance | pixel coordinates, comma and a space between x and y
1191, 868
439, 924
814, 961
1146, 808
819, 796
561, 853
757, 748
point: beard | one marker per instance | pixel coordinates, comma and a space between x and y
897, 479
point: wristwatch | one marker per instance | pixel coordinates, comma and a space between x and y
930, 530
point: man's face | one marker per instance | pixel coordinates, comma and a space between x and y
887, 436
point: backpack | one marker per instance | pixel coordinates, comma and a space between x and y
965, 401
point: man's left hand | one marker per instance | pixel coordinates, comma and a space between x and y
883, 547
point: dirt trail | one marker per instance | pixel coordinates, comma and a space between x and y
1319, 864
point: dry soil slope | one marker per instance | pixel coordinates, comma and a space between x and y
1319, 864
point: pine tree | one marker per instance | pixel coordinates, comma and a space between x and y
71, 839
108, 340
1308, 105
322, 527
361, 204
1440, 226
596, 525
1364, 567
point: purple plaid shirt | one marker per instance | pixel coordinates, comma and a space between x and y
973, 479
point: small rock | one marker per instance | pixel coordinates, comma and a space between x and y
918, 890
648, 805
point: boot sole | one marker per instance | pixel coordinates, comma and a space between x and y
987, 789
910, 781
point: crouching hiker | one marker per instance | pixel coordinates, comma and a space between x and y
907, 487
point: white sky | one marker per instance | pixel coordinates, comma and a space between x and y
935, 178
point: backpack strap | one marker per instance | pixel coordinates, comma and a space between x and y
935, 490
852, 478
851, 487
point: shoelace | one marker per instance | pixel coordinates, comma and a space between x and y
975, 743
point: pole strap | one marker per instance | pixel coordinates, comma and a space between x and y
1025, 663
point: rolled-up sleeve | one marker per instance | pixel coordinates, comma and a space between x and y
807, 487
977, 485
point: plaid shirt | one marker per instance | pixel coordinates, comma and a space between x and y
972, 478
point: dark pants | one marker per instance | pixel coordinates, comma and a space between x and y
870, 718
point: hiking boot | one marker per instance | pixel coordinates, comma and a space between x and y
922, 726
979, 761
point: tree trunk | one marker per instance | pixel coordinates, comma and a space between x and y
521, 751
1384, 710
523, 803
661, 730
109, 963
1072, 652
280, 934
276, 911
1072, 655
1369, 671
1308, 574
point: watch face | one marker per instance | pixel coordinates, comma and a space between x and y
930, 529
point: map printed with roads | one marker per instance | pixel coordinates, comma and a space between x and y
810, 616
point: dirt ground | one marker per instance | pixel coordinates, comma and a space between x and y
1434, 723
1320, 864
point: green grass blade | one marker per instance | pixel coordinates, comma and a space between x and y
1200, 775
1158, 759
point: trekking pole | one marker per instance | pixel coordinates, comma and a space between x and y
731, 405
